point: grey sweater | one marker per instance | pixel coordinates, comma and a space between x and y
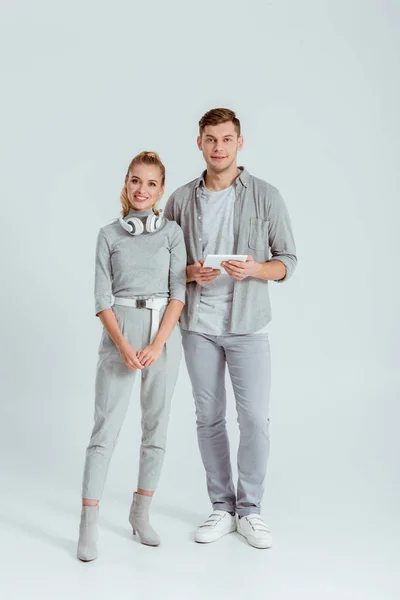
150, 264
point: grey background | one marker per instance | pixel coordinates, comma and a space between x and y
86, 86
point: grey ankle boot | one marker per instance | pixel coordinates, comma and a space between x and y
139, 519
87, 544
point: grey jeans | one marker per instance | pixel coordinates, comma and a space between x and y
248, 360
114, 382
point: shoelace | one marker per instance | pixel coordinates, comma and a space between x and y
212, 522
257, 523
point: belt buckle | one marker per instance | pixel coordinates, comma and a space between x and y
141, 303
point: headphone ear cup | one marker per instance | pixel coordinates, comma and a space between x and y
153, 223
125, 225
135, 225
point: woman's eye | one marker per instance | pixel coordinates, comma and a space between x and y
134, 180
152, 183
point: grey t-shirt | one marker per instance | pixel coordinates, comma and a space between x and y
216, 297
150, 264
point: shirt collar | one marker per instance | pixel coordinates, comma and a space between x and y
243, 178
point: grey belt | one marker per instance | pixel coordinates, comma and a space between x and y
154, 304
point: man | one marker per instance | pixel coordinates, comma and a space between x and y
229, 211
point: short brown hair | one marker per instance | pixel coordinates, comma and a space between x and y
216, 116
146, 158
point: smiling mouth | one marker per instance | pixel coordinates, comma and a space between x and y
218, 157
140, 198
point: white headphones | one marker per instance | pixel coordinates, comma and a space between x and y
134, 225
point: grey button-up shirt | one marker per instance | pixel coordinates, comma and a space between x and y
262, 228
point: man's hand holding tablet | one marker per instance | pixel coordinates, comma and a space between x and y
239, 269
237, 266
215, 261
200, 274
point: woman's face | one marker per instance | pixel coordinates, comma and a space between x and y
144, 186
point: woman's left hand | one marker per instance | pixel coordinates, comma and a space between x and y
150, 354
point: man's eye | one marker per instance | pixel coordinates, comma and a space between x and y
227, 139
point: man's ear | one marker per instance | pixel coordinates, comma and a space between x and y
240, 142
199, 145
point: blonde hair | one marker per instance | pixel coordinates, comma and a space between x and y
146, 158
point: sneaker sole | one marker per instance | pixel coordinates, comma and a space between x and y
205, 541
255, 545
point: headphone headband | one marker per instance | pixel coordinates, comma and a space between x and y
135, 226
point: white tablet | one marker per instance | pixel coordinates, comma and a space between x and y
214, 260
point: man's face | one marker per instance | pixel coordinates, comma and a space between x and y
220, 145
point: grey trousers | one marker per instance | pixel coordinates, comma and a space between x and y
114, 382
248, 360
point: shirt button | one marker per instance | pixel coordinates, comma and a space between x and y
199, 218
199, 239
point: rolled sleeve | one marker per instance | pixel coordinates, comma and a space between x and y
280, 235
177, 266
103, 274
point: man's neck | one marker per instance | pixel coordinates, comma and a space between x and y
215, 182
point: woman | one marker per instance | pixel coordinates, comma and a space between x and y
141, 262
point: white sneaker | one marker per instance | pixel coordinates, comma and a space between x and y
218, 524
253, 528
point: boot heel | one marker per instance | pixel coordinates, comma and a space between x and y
139, 520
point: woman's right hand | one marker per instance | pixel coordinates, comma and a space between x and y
129, 356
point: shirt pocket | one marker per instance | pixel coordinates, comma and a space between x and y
258, 234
